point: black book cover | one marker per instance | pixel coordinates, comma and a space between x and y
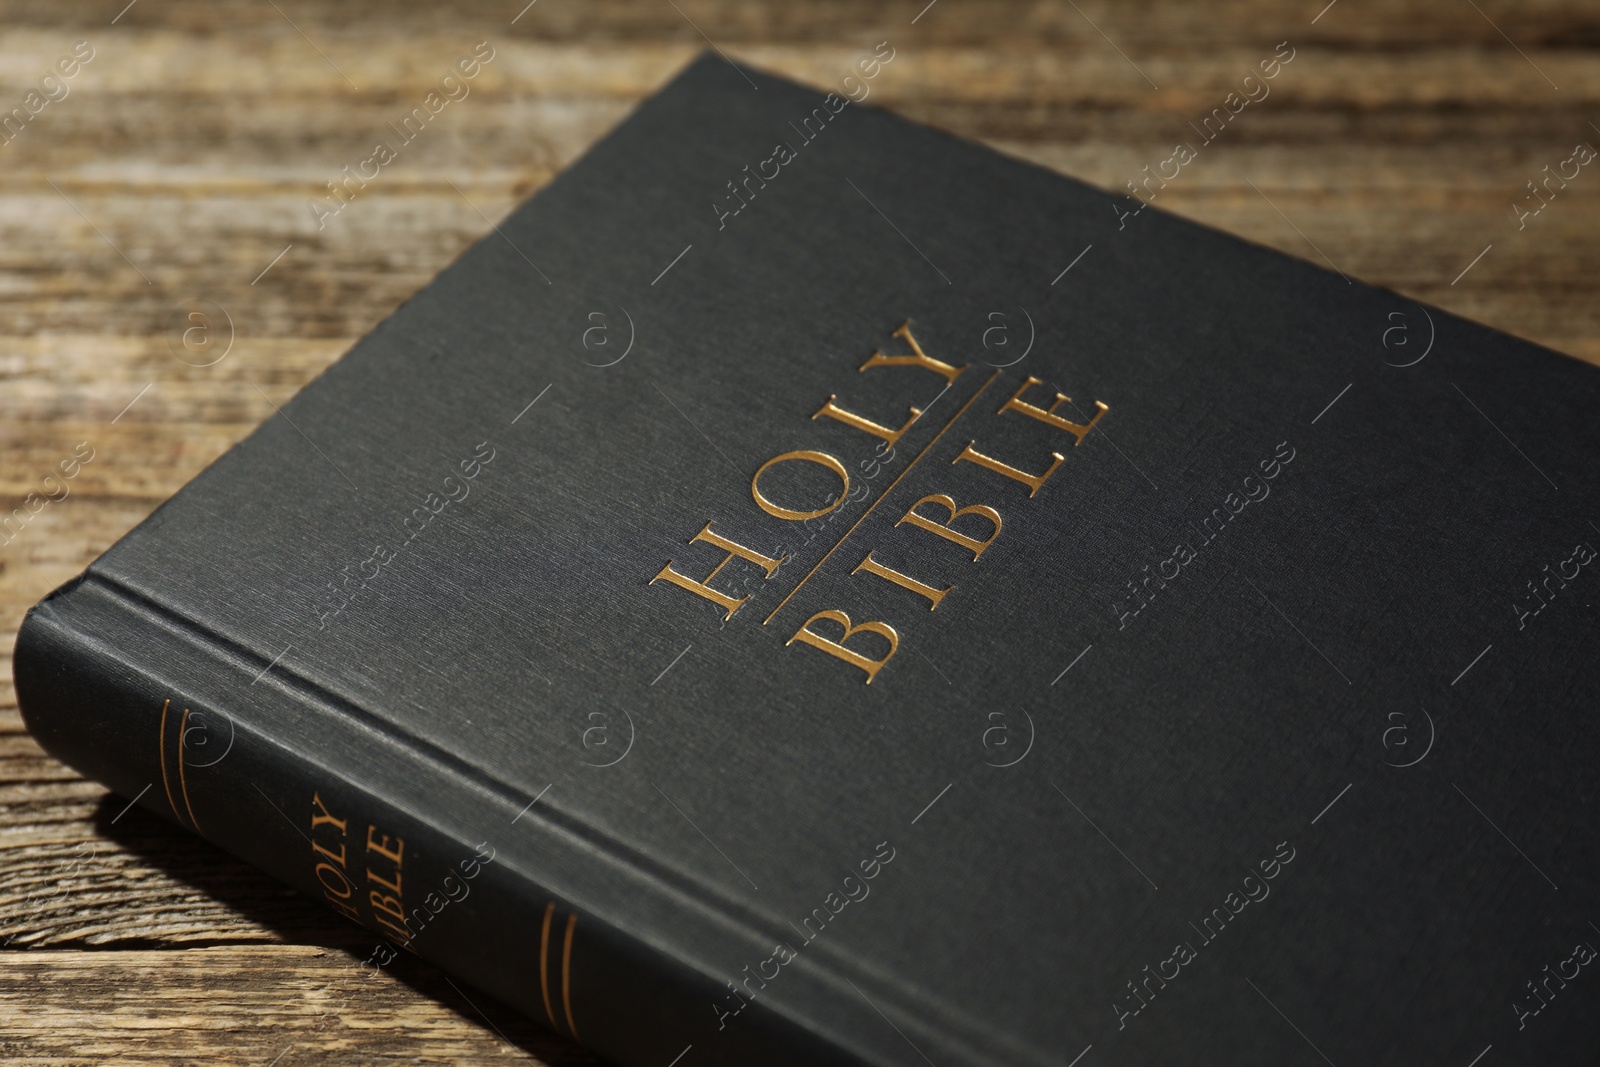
808, 589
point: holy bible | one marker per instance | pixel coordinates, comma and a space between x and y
808, 589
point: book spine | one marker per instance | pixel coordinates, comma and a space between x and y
454, 899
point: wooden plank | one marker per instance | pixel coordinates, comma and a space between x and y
286, 1005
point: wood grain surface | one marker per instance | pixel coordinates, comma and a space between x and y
177, 168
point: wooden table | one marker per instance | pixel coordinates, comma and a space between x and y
177, 169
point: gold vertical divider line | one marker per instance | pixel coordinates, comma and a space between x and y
183, 784
883, 495
566, 975
544, 964
166, 783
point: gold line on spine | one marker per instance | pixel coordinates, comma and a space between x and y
544, 964
183, 784
566, 975
166, 783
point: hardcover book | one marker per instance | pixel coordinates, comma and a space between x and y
808, 589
